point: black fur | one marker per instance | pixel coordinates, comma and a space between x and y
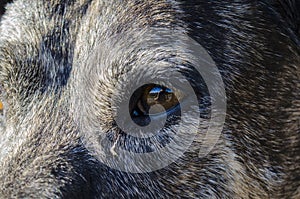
256, 47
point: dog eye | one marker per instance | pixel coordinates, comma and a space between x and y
1, 107
151, 95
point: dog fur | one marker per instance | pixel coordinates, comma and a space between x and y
45, 80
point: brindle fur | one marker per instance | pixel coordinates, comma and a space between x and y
44, 45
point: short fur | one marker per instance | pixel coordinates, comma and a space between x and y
44, 47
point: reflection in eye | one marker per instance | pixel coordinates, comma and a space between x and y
151, 95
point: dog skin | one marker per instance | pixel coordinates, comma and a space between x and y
48, 85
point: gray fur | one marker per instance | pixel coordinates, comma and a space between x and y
47, 82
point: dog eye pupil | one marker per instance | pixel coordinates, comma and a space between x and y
159, 95
152, 95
